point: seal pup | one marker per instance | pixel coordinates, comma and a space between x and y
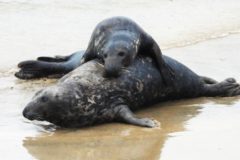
85, 97
116, 42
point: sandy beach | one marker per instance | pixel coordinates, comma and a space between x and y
202, 35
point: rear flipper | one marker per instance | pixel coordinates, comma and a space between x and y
124, 114
226, 88
208, 80
48, 66
54, 59
38, 69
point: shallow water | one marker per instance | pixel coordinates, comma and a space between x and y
202, 128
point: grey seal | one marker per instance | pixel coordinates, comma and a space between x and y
116, 42
85, 97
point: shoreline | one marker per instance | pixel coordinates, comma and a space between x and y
181, 121
9, 70
30, 28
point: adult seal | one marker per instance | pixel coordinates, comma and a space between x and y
85, 97
116, 42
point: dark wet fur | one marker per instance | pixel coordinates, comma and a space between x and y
119, 29
48, 66
84, 97
116, 42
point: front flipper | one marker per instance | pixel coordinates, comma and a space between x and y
124, 114
88, 56
151, 48
166, 71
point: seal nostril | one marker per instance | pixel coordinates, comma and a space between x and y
44, 99
25, 111
27, 114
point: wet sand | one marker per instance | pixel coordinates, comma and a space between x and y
31, 27
202, 128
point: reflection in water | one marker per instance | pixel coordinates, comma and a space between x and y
117, 141
212, 134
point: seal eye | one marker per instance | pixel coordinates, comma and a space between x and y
121, 54
44, 99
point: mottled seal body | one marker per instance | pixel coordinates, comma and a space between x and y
116, 42
85, 97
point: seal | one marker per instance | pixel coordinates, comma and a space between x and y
116, 42
85, 97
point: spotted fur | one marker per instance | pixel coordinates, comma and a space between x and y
85, 97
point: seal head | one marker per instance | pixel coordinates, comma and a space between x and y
56, 105
119, 53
